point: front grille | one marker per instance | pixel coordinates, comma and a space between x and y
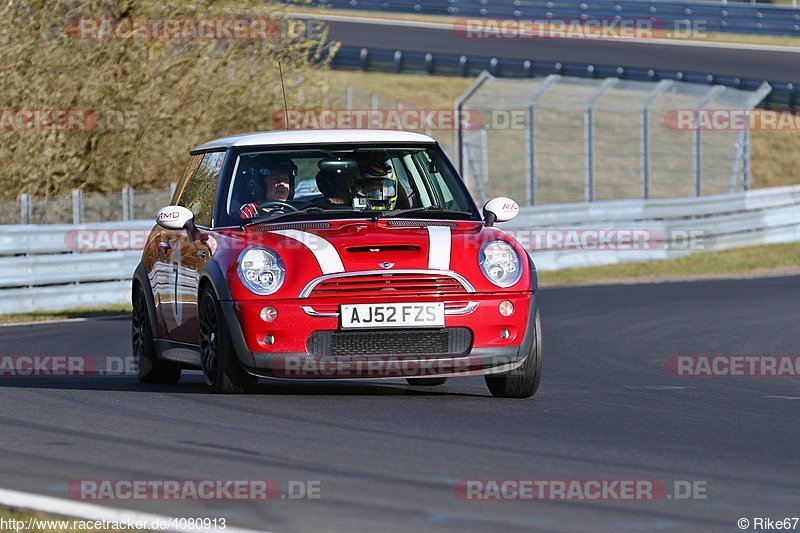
451, 341
389, 285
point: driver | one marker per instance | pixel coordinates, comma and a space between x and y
374, 187
273, 179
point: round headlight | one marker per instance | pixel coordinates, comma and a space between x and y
261, 270
500, 263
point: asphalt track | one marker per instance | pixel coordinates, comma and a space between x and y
777, 64
387, 455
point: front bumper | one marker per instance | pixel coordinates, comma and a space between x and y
293, 356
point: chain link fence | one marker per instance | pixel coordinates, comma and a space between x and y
560, 139
82, 207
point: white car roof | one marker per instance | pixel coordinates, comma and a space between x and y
344, 136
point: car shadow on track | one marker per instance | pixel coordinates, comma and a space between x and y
192, 383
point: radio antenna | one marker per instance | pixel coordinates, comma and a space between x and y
285, 105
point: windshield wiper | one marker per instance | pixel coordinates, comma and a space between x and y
270, 218
315, 209
430, 209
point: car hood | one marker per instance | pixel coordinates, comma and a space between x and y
313, 249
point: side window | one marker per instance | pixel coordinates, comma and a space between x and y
200, 190
187, 174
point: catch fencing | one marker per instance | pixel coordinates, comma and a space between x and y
49, 267
562, 139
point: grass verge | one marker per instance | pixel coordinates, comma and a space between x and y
78, 312
764, 260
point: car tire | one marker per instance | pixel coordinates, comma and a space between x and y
523, 381
150, 368
426, 382
221, 368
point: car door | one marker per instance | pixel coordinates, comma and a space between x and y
163, 243
189, 255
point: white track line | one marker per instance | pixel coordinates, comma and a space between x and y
450, 27
88, 511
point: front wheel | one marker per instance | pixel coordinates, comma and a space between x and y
523, 381
151, 368
221, 368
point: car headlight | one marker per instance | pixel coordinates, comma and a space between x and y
261, 270
500, 263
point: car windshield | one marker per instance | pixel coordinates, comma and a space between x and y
267, 185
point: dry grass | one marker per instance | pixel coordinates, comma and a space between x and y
152, 99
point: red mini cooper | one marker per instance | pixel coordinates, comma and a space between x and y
346, 254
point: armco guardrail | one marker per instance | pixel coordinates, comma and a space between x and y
783, 96
47, 267
665, 228
714, 16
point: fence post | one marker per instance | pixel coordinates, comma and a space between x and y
172, 188
459, 110
25, 209
644, 132
530, 130
348, 97
77, 206
698, 138
127, 203
588, 138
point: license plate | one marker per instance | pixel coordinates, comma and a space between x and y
406, 315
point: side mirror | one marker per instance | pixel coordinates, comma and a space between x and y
175, 217
500, 209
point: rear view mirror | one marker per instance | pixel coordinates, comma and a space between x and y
175, 217
338, 166
500, 209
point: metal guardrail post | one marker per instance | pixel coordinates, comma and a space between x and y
746, 160
348, 97
588, 137
530, 133
77, 206
25, 209
173, 187
373, 101
127, 203
644, 125
398, 61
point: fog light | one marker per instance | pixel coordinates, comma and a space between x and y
506, 308
269, 339
268, 314
504, 334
